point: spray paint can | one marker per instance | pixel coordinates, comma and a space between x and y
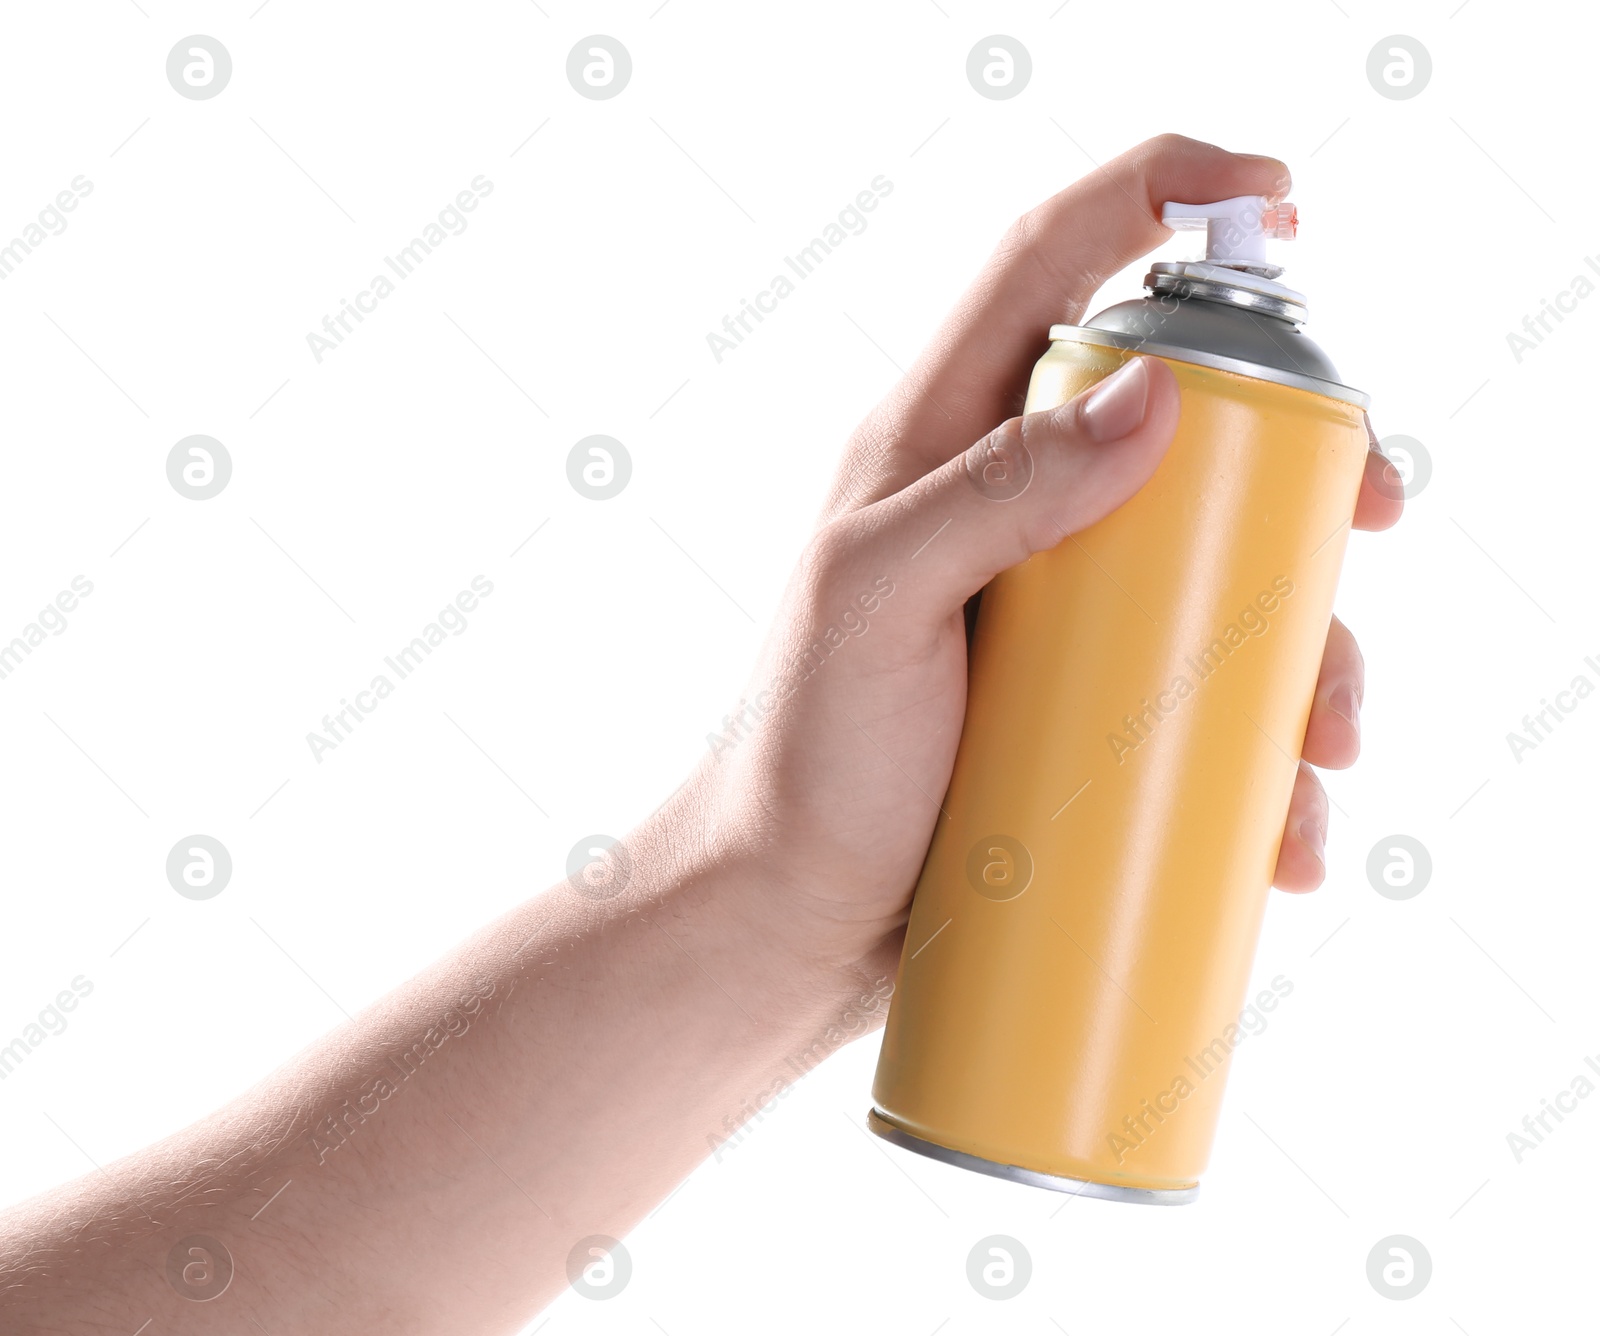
1081, 938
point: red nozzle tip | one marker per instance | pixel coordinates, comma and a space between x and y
1281, 223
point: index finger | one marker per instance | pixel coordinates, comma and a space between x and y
974, 373
1382, 495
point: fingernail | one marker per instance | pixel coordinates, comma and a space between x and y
1312, 837
1116, 406
1343, 702
1388, 483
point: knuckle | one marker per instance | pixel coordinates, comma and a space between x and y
1001, 465
826, 556
1345, 657
1171, 141
1046, 529
1315, 796
1000, 444
1028, 242
1027, 245
1024, 230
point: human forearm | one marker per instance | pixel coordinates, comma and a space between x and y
604, 1044
550, 1079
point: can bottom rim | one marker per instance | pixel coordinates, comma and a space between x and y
1077, 1187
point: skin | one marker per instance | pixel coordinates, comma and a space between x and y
582, 1054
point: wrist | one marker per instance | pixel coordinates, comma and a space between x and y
734, 899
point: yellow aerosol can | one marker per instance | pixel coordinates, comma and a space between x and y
1081, 940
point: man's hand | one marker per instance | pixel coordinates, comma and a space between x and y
440, 1162
838, 788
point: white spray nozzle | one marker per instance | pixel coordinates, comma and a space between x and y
1236, 229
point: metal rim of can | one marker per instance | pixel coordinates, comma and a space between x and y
1077, 1187
1106, 339
1179, 280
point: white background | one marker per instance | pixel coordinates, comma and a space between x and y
371, 488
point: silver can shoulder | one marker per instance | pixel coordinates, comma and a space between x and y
1227, 338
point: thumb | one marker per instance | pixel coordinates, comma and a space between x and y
1024, 488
